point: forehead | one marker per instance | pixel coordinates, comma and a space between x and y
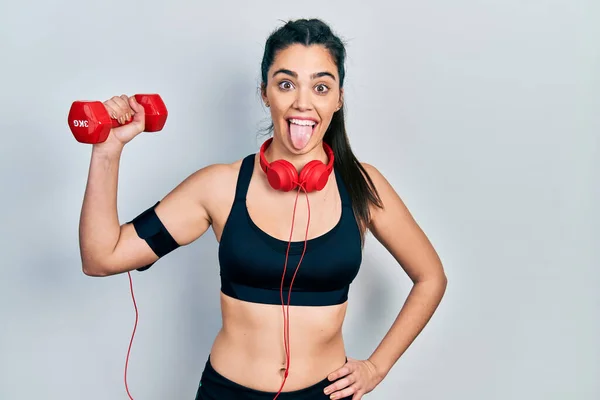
305, 60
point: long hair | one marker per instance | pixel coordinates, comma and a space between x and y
315, 32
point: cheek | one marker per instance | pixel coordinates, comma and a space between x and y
279, 105
327, 110
277, 112
327, 104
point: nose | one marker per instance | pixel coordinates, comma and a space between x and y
303, 100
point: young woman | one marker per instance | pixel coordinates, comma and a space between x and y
290, 222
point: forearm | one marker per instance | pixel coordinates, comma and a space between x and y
418, 309
99, 227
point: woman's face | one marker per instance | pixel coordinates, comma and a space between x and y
303, 93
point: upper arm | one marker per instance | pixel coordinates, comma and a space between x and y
396, 229
183, 212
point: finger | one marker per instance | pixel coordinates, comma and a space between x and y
123, 103
112, 108
340, 384
357, 396
116, 110
126, 99
344, 393
119, 113
345, 370
129, 111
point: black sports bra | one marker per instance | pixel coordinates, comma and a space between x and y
252, 262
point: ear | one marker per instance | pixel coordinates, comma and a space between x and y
341, 100
263, 93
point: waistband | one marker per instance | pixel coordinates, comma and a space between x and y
214, 386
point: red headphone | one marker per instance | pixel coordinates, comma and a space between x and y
282, 175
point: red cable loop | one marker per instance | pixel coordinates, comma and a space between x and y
132, 335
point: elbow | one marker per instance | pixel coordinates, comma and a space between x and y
440, 278
93, 269
435, 281
443, 278
442, 283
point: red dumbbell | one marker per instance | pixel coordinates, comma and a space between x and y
90, 122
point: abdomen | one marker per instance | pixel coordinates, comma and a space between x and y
250, 350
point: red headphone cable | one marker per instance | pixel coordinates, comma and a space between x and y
286, 318
132, 335
286, 313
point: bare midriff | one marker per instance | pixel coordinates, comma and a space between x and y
249, 349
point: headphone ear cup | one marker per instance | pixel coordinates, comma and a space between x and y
282, 175
314, 176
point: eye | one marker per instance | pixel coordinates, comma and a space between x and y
322, 88
285, 85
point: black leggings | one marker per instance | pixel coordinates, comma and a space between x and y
214, 386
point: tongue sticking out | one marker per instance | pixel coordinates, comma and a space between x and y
300, 135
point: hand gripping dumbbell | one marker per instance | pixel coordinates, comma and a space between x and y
90, 122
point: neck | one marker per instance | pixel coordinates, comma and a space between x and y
278, 152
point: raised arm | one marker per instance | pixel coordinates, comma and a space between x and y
108, 247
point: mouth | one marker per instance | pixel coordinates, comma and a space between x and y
301, 130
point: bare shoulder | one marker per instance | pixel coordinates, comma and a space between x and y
394, 226
383, 187
393, 209
211, 183
374, 174
188, 209
215, 175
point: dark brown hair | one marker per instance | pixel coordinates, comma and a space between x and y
315, 32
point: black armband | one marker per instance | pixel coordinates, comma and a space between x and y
150, 228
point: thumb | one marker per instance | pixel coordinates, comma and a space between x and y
138, 108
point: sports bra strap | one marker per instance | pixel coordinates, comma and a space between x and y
244, 177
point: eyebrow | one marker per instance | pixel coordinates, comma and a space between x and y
295, 75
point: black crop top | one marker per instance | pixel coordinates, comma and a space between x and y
251, 261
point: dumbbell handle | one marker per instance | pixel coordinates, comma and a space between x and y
115, 123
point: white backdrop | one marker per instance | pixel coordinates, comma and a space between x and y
482, 114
